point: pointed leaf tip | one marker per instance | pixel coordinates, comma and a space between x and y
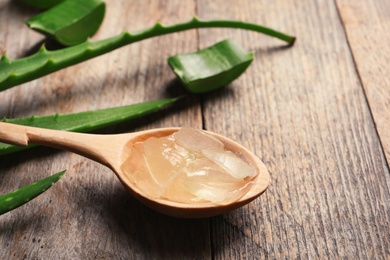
23, 195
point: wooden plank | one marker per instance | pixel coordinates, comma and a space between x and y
367, 24
88, 214
304, 112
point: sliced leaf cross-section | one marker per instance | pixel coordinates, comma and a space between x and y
70, 22
211, 68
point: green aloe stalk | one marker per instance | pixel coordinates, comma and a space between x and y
85, 121
44, 62
23, 195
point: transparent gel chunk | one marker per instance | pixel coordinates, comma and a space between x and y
217, 193
236, 166
205, 170
196, 140
135, 169
177, 191
162, 160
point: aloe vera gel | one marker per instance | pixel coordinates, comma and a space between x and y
189, 166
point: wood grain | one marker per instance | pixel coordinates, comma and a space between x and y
315, 113
367, 25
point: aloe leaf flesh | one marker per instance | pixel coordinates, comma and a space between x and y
44, 62
23, 195
212, 67
42, 4
70, 22
85, 121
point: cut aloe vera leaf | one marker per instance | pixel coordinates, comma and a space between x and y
85, 121
70, 22
23, 195
211, 68
42, 4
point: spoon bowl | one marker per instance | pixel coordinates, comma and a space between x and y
113, 150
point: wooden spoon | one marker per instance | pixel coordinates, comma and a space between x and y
113, 150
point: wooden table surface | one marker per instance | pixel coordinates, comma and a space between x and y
317, 114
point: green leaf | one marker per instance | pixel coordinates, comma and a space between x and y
23, 195
70, 22
44, 62
42, 4
211, 68
85, 121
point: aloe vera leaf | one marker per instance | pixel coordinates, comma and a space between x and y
211, 68
85, 121
23, 195
70, 22
44, 62
42, 4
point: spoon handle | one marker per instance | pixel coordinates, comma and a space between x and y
100, 148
